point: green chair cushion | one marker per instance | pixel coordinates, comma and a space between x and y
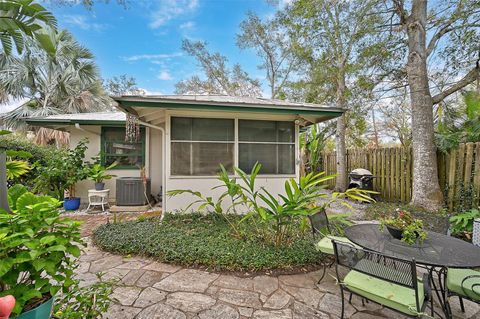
385, 293
325, 244
454, 282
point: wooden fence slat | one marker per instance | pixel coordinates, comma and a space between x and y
397, 174
409, 175
468, 165
392, 174
458, 170
402, 175
476, 172
451, 178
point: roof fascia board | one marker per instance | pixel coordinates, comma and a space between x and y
126, 104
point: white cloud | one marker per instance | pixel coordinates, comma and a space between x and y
153, 92
164, 75
152, 57
82, 22
187, 25
170, 9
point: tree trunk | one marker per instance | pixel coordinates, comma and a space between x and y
341, 180
426, 188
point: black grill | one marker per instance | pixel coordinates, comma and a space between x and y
360, 178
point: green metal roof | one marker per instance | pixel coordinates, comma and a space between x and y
226, 103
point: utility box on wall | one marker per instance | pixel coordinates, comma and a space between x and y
131, 191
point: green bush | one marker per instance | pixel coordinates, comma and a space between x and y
62, 172
88, 302
280, 215
38, 249
205, 240
40, 156
463, 222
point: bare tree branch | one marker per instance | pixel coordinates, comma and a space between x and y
470, 77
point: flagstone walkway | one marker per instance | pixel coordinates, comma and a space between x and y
149, 290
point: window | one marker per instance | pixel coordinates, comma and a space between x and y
200, 145
270, 143
115, 149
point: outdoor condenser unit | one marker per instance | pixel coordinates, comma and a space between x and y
130, 191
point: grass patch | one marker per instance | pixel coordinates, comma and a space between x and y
204, 240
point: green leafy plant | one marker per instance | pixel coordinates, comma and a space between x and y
15, 166
98, 172
38, 249
62, 172
463, 223
412, 229
89, 302
37, 156
282, 213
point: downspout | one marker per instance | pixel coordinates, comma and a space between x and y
164, 164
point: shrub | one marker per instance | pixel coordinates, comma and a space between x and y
462, 223
38, 156
38, 249
205, 240
88, 302
281, 214
62, 172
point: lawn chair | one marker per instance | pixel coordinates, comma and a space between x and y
321, 227
465, 284
385, 280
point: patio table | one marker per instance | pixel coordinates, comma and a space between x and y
437, 253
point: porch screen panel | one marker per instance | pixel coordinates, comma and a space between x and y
114, 148
200, 145
271, 143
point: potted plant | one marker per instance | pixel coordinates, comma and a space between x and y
404, 227
98, 173
38, 252
75, 169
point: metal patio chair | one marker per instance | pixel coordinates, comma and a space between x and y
385, 280
321, 227
463, 283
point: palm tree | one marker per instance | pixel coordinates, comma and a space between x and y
20, 19
63, 81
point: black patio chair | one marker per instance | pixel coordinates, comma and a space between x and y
385, 280
321, 228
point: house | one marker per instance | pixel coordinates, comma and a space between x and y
184, 138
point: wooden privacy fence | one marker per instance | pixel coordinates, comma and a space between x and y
458, 172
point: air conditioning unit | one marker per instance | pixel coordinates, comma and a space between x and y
130, 191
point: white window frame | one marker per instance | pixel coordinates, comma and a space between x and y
238, 142
169, 142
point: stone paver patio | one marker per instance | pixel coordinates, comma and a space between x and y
149, 289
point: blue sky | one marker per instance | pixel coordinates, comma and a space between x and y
144, 39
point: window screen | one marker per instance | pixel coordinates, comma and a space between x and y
200, 145
271, 143
115, 149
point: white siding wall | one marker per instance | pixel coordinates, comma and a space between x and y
153, 160
274, 184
